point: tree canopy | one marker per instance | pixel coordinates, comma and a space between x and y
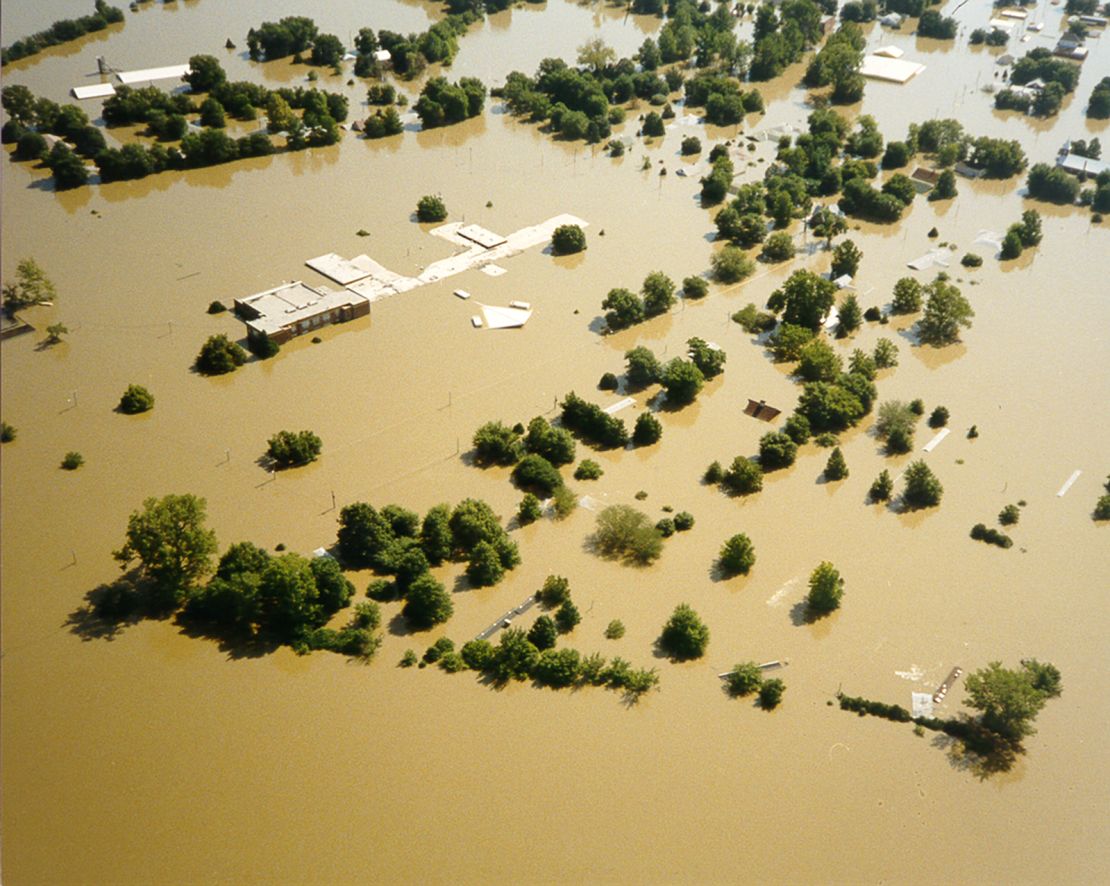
171, 543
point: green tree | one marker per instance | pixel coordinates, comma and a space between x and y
288, 600
622, 309
882, 488
54, 333
557, 667
836, 468
614, 630
646, 431
946, 186
496, 443
427, 603
776, 450
567, 616
219, 355
709, 359
770, 693
895, 425
743, 477
737, 555
946, 310
555, 590
907, 296
431, 208
290, 448
568, 239
1011, 244
530, 509
1030, 228
731, 265
543, 633
846, 259
536, 474
682, 380
71, 461
643, 367
327, 49
1007, 699
826, 588
685, 635
485, 566
514, 657
596, 55
136, 399
7, 432
804, 300
694, 287
885, 354
658, 293
817, 361
923, 489
435, 534
205, 73
778, 247
31, 287
473, 521
744, 678
554, 444
653, 125
827, 224
211, 115
169, 540
622, 532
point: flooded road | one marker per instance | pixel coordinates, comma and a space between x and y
150, 756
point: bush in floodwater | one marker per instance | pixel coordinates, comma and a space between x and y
136, 399
744, 678
431, 208
981, 532
770, 694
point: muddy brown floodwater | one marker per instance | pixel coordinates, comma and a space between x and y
148, 756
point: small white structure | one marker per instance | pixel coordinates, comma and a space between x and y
1068, 483
891, 20
462, 293
99, 90
382, 55
476, 322
148, 75
343, 271
893, 70
889, 52
504, 318
522, 305
930, 259
921, 704
844, 281
618, 406
1019, 14
936, 441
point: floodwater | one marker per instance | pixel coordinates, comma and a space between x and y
150, 756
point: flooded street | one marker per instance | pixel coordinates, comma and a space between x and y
149, 756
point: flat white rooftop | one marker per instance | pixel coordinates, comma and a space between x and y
342, 270
148, 74
98, 90
485, 239
893, 70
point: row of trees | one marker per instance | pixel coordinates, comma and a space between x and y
518, 657
63, 31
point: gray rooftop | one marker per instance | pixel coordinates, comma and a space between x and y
292, 302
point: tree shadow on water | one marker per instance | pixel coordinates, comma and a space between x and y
978, 752
109, 609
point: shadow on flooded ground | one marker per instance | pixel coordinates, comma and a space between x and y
109, 609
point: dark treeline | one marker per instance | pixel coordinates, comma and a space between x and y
62, 31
